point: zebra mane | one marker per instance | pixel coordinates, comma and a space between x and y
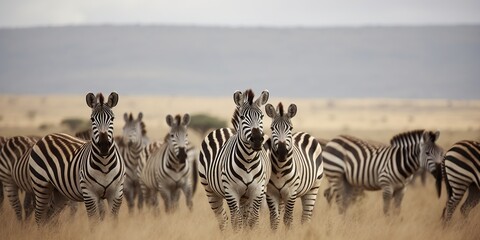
236, 115
250, 96
178, 119
100, 98
407, 138
280, 109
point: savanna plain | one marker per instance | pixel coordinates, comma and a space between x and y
373, 119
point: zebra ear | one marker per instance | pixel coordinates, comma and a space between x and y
169, 120
112, 100
91, 100
140, 116
238, 98
262, 100
270, 110
125, 117
186, 119
292, 110
437, 135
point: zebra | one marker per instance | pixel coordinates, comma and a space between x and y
84, 134
2, 197
168, 169
14, 173
353, 163
234, 164
461, 171
67, 168
297, 168
131, 145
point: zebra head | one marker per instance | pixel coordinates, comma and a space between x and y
281, 130
249, 117
102, 121
177, 136
431, 154
132, 130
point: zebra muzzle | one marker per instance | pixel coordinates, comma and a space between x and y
256, 140
182, 155
103, 143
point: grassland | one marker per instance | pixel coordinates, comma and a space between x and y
373, 119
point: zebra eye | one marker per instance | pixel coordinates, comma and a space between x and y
290, 128
93, 119
171, 135
271, 128
112, 118
242, 117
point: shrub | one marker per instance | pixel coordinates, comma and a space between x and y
74, 123
202, 123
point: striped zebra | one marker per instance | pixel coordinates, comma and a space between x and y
64, 168
354, 163
234, 165
297, 168
461, 172
14, 173
2, 196
168, 169
131, 145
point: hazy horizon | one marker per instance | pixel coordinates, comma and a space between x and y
433, 62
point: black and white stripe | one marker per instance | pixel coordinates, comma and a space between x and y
234, 164
352, 163
168, 170
64, 168
297, 168
461, 172
14, 173
131, 145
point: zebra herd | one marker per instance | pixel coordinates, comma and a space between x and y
242, 166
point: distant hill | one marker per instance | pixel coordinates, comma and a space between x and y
392, 62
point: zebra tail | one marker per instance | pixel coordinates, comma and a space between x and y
194, 177
438, 177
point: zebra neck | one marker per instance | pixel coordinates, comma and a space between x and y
171, 161
411, 159
132, 154
97, 156
245, 152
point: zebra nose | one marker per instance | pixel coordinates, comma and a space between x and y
182, 155
256, 139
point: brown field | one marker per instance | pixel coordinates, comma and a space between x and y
373, 119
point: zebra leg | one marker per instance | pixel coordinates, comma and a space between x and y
328, 194
187, 191
288, 216
129, 195
115, 202
91, 203
167, 200
216, 203
453, 201
139, 196
472, 200
273, 202
387, 197
308, 203
12, 195
235, 213
398, 197
254, 210
28, 205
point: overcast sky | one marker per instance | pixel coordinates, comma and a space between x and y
27, 13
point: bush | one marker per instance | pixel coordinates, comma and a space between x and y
75, 123
202, 123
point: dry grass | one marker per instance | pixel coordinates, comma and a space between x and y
378, 120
